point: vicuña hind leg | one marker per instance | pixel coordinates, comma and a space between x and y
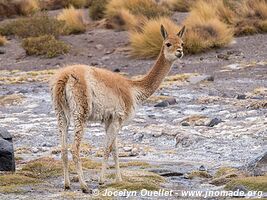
79, 131
116, 160
63, 125
112, 129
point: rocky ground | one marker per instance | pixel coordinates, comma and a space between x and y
212, 114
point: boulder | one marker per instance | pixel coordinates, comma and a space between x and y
7, 161
258, 166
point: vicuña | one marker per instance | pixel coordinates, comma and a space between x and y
82, 93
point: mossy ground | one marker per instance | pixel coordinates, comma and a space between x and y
256, 183
225, 174
199, 174
12, 183
136, 180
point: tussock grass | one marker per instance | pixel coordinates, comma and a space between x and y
129, 15
28, 7
147, 8
205, 27
97, 9
124, 20
204, 35
252, 17
3, 40
74, 21
45, 45
34, 26
178, 5
148, 42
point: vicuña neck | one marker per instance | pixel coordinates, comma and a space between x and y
147, 85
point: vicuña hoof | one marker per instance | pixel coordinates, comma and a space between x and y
87, 191
67, 187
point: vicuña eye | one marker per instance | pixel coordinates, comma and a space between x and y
168, 44
182, 44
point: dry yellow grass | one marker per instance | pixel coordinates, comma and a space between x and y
148, 42
3, 40
74, 22
28, 7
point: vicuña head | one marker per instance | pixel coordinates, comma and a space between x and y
83, 93
172, 44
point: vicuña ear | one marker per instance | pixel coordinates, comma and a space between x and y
163, 32
181, 32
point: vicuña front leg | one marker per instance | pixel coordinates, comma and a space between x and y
112, 129
79, 130
116, 160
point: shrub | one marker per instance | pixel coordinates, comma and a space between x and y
3, 41
33, 27
28, 7
97, 9
147, 8
148, 42
45, 45
74, 22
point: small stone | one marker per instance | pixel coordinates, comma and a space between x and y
214, 122
241, 96
185, 124
99, 46
157, 134
200, 78
94, 63
35, 150
162, 104
75, 179
127, 149
223, 56
138, 137
202, 168
45, 144
134, 152
2, 51
171, 101
23, 91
